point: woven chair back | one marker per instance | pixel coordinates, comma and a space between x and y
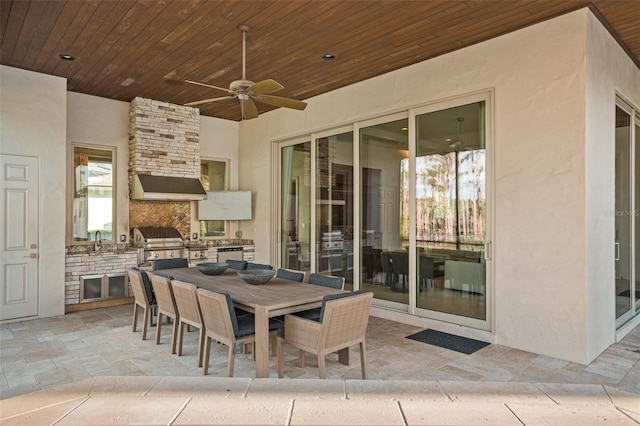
216, 316
187, 303
164, 295
135, 278
345, 320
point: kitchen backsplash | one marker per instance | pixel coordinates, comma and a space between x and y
164, 214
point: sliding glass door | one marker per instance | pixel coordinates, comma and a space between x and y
384, 243
451, 206
295, 206
627, 197
335, 206
397, 205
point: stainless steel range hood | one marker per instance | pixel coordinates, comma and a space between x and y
147, 187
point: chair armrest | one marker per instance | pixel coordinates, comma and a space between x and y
301, 331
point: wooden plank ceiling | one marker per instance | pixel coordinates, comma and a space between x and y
127, 48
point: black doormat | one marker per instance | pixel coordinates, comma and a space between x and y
449, 341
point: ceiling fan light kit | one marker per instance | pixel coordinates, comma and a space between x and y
248, 92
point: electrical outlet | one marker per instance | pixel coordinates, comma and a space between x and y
238, 347
238, 234
123, 238
194, 236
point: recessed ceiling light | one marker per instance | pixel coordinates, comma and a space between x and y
328, 56
67, 57
405, 129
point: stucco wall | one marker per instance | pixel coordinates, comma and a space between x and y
33, 122
219, 140
104, 122
609, 72
538, 148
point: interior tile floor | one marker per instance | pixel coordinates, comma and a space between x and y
58, 366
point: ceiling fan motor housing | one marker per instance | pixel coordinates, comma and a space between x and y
240, 85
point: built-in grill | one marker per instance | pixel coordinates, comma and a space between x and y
331, 246
155, 243
333, 240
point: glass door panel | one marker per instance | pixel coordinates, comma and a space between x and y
636, 215
622, 214
295, 196
451, 211
334, 206
384, 260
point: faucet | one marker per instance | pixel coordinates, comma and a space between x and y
98, 242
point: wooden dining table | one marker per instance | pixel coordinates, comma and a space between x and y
275, 298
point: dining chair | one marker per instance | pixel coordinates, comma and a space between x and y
324, 281
170, 263
141, 300
222, 325
188, 313
343, 323
239, 265
400, 264
387, 267
166, 306
148, 288
258, 266
291, 274
426, 272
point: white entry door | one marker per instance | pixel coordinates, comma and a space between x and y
19, 237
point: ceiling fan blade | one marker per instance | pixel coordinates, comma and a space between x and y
249, 109
204, 101
265, 86
207, 85
282, 102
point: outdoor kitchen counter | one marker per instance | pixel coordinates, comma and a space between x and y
81, 263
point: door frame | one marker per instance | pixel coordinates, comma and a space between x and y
488, 98
634, 116
276, 157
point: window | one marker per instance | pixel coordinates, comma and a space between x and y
93, 183
213, 175
450, 199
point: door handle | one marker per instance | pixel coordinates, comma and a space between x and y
488, 246
617, 251
32, 256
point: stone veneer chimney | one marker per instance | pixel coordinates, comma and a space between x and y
164, 140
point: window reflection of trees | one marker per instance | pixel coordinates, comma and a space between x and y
450, 206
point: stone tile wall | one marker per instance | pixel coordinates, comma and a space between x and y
164, 139
81, 264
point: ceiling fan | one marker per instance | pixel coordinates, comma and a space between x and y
247, 91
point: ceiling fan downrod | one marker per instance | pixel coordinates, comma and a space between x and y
245, 30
